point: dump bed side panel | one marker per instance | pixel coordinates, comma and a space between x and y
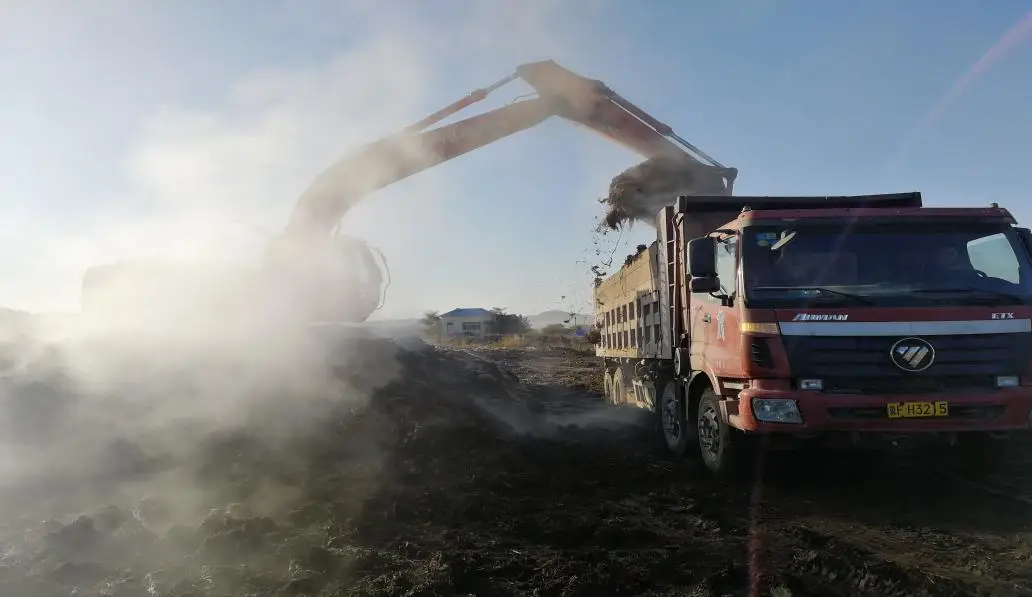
627, 309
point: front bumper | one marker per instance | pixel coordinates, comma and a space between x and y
1004, 409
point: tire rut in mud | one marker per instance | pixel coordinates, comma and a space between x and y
875, 524
844, 524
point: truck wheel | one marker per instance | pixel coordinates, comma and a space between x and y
609, 384
619, 389
673, 421
725, 451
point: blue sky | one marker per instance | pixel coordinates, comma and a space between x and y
136, 128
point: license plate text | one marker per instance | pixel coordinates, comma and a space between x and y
913, 410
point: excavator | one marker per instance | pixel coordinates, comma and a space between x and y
334, 278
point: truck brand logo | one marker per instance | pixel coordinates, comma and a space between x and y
912, 354
1002, 316
821, 317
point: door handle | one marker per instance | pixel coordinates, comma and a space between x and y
706, 318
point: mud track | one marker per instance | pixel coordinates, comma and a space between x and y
498, 472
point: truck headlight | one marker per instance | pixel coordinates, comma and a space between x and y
1007, 381
776, 410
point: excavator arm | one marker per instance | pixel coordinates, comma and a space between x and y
560, 92
324, 277
335, 279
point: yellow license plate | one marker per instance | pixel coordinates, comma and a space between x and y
913, 410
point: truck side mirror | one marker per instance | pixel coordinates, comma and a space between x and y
704, 285
702, 257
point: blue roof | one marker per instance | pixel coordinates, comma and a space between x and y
461, 312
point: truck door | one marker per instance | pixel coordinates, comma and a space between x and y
714, 330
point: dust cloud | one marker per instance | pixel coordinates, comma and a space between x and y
196, 391
525, 390
558, 425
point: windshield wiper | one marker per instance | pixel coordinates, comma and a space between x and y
970, 289
853, 297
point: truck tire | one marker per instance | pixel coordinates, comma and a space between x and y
619, 388
672, 418
609, 383
725, 451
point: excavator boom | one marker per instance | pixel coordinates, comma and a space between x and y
560, 92
591, 103
395, 158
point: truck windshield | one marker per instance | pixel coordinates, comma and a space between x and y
885, 265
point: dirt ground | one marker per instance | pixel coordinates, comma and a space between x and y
488, 472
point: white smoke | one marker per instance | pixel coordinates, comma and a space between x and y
194, 172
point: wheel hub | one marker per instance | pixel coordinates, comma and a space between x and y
709, 432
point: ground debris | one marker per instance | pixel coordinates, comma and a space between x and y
474, 472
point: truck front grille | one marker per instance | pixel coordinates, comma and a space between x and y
910, 384
962, 357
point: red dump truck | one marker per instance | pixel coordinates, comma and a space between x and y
822, 318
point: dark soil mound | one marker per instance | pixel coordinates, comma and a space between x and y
275, 508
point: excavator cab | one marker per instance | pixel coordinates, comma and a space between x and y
307, 280
326, 278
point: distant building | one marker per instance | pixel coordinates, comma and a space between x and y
466, 322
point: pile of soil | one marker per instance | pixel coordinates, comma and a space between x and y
487, 472
638, 193
361, 500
